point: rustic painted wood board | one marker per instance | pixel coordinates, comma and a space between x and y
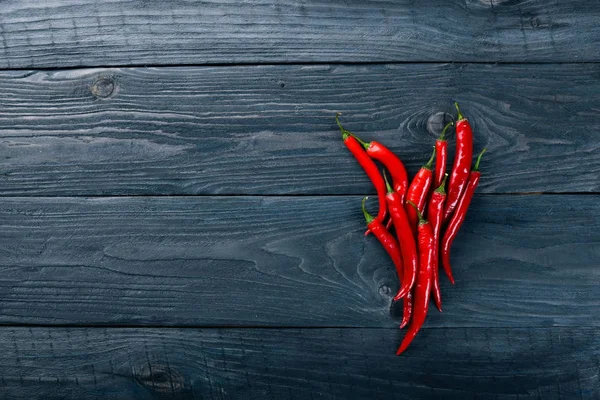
56, 33
488, 363
285, 261
271, 130
141, 275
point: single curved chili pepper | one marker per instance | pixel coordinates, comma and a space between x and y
406, 239
462, 164
368, 166
459, 217
441, 155
435, 213
393, 164
418, 191
423, 286
385, 238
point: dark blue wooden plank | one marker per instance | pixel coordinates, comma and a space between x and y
55, 33
270, 129
286, 261
482, 363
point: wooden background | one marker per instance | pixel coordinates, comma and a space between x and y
179, 217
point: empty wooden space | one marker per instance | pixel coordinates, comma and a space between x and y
57, 33
180, 219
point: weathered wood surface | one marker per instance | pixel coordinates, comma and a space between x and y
271, 130
482, 363
141, 275
285, 261
57, 33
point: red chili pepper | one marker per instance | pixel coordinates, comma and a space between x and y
441, 155
435, 213
368, 166
385, 238
406, 240
462, 164
459, 217
423, 288
417, 192
393, 164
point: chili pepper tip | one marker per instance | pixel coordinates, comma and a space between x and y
401, 349
476, 167
442, 135
460, 116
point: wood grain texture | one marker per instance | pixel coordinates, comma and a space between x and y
270, 129
488, 363
58, 33
292, 261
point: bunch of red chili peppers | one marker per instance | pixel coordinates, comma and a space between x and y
419, 242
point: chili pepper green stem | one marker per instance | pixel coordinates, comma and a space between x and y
430, 162
443, 134
441, 189
368, 217
422, 221
363, 143
460, 116
476, 167
387, 183
345, 132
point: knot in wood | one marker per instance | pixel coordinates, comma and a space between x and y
385, 291
160, 378
437, 121
103, 87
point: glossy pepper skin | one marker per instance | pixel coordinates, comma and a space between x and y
392, 163
462, 164
459, 217
417, 193
435, 213
423, 286
368, 166
408, 305
405, 238
385, 238
441, 156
